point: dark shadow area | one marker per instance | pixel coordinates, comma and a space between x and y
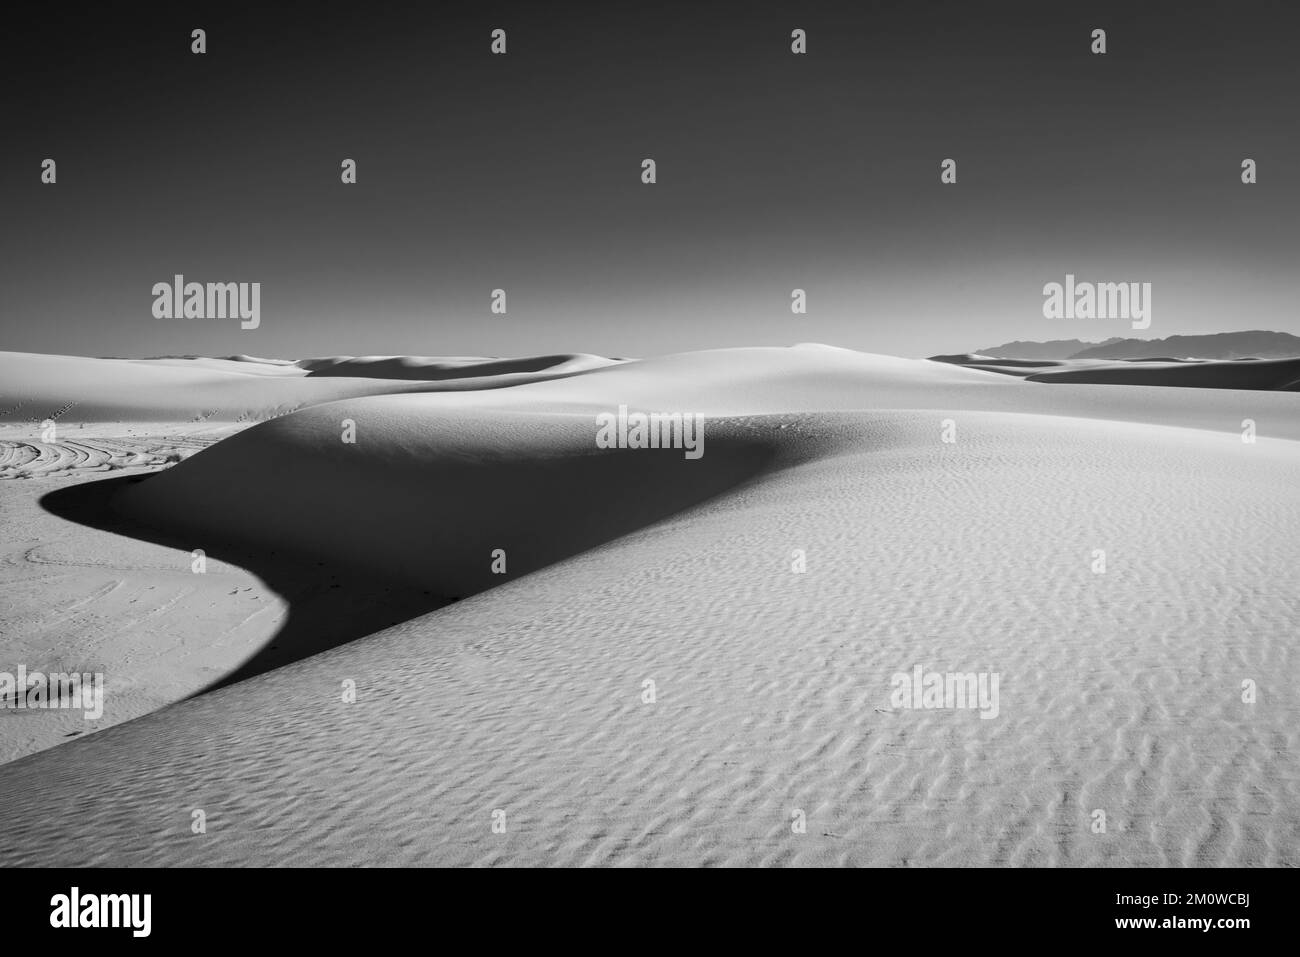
1267, 375
430, 369
328, 604
1277, 375
427, 536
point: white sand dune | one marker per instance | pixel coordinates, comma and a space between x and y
239, 389
501, 371
424, 498
82, 593
1254, 374
1120, 691
819, 378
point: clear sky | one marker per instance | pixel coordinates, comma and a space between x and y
522, 172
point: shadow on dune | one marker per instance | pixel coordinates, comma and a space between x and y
1274, 375
350, 564
1280, 375
329, 605
436, 370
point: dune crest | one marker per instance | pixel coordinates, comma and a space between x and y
425, 498
242, 388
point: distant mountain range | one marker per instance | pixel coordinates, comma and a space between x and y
1255, 344
1052, 349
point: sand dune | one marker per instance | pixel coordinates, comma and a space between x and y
506, 371
424, 498
83, 590
1256, 374
1121, 690
238, 389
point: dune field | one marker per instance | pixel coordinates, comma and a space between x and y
437, 623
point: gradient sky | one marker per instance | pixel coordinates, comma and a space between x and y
523, 172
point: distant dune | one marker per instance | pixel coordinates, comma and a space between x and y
1259, 374
240, 388
511, 371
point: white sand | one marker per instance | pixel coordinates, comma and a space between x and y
76, 389
1119, 691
